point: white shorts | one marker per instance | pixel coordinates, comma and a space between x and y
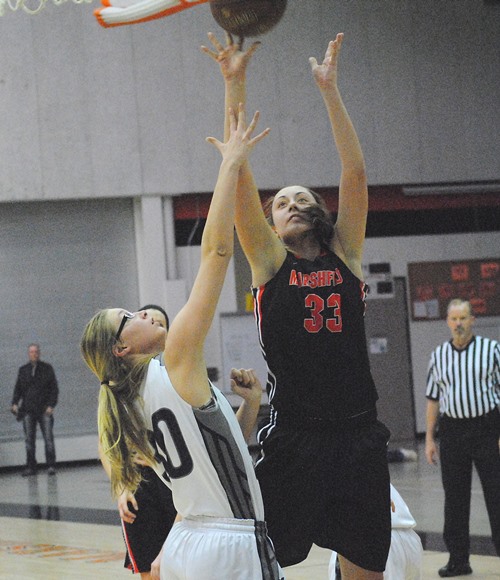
212, 549
405, 557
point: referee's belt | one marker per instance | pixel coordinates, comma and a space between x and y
492, 417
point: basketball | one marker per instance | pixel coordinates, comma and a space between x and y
247, 17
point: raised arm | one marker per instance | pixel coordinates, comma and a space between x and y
262, 248
186, 338
350, 227
233, 62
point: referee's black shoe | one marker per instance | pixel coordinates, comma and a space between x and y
452, 569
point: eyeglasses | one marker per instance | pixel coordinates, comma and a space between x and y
126, 316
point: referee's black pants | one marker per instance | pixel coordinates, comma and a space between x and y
464, 442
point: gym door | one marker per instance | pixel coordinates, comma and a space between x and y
387, 335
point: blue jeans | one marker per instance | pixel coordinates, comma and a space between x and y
46, 423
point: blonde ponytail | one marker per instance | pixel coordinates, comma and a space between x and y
121, 426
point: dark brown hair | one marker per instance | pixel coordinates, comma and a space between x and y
318, 215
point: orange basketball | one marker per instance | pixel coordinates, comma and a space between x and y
247, 17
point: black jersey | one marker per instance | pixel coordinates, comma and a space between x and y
310, 319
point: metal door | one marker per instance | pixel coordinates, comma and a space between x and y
387, 334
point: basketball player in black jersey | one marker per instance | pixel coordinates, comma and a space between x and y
323, 469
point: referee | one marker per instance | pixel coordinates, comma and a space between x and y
463, 392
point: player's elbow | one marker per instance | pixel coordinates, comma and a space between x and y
224, 251
220, 252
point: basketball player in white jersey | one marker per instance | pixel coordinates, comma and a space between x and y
199, 448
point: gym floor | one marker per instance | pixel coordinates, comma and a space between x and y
67, 525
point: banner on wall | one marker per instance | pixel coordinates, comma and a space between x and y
433, 284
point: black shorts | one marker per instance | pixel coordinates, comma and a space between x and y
145, 537
328, 488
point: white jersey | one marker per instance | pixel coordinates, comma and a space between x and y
202, 454
401, 517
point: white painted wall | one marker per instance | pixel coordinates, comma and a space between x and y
90, 112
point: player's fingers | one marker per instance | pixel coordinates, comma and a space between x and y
334, 48
241, 116
213, 141
254, 46
245, 380
329, 51
313, 62
213, 39
211, 53
126, 515
253, 122
128, 519
252, 377
260, 136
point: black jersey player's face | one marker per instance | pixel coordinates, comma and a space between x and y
141, 333
288, 207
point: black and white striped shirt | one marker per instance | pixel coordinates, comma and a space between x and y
466, 382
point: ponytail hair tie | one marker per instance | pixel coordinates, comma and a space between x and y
105, 382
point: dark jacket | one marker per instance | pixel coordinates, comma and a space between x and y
38, 392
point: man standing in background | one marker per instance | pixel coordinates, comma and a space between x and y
463, 392
34, 399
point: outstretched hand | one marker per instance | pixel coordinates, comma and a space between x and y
325, 74
240, 142
231, 58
